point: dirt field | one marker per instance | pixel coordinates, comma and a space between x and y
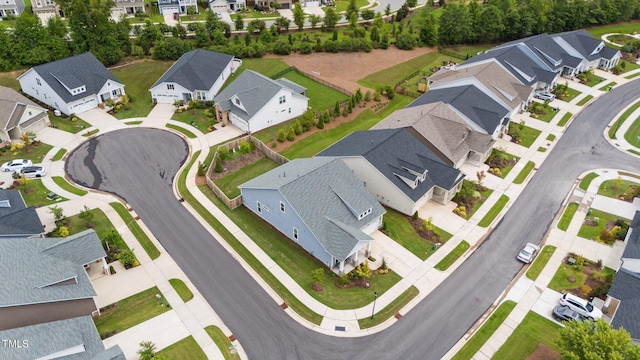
345, 69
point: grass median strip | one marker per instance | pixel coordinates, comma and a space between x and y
390, 310
62, 182
182, 289
182, 130
451, 257
584, 184
533, 330
524, 172
494, 211
59, 155
614, 128
565, 119
565, 220
585, 100
186, 348
541, 261
222, 341
136, 230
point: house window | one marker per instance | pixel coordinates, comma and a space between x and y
282, 99
289, 110
281, 206
170, 87
38, 82
237, 101
259, 207
201, 95
295, 233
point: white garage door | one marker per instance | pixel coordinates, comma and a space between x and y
169, 10
87, 105
165, 98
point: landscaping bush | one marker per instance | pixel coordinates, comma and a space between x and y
281, 135
291, 134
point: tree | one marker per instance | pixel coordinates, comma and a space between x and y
314, 20
317, 275
387, 10
352, 8
330, 20
402, 12
149, 34
283, 23
367, 14
428, 32
455, 25
336, 109
405, 41
57, 212
239, 22
590, 340
147, 350
492, 26
86, 214
298, 16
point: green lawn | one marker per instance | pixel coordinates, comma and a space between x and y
102, 223
565, 119
542, 149
401, 231
267, 67
480, 337
454, 255
35, 153
8, 79
136, 122
533, 330
182, 289
572, 93
632, 76
586, 181
136, 230
630, 27
186, 348
527, 135
321, 97
229, 183
613, 188
591, 232
541, 261
67, 125
195, 118
614, 128
91, 133
390, 310
633, 133
629, 66
35, 193
565, 220
584, 100
341, 5
548, 115
494, 211
594, 80
182, 130
530, 165
560, 283
60, 181
129, 312
608, 85
550, 137
390, 76
222, 342
59, 155
138, 78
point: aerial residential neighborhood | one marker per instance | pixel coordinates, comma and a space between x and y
322, 179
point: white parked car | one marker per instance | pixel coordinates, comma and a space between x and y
545, 95
528, 253
581, 306
33, 171
15, 165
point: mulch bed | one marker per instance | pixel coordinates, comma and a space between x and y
544, 352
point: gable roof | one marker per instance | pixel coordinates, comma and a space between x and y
397, 154
484, 113
327, 197
36, 270
544, 48
12, 106
196, 70
250, 92
73, 72
582, 42
441, 129
16, 219
626, 288
632, 249
520, 62
60, 336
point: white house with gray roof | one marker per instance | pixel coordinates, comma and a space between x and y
321, 206
72, 85
19, 115
197, 75
253, 102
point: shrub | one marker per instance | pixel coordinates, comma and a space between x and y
363, 271
281, 135
245, 147
218, 168
202, 168
585, 290
345, 112
344, 279
111, 269
336, 109
415, 215
367, 96
320, 124
127, 258
223, 153
317, 275
63, 231
579, 262
297, 127
291, 134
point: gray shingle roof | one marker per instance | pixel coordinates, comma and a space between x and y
196, 70
15, 201
325, 193
253, 91
12, 103
390, 151
626, 288
33, 268
291, 85
75, 71
520, 62
16, 219
632, 250
57, 336
477, 106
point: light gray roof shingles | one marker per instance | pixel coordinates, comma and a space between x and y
196, 70
18, 220
632, 250
626, 288
12, 104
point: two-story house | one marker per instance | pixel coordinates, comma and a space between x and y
127, 8
177, 6
11, 7
19, 115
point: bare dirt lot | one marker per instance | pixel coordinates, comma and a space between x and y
345, 69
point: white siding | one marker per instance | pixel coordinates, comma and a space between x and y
43, 92
163, 95
274, 113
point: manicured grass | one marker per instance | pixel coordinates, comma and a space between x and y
267, 67
390, 76
533, 330
548, 114
195, 118
541, 261
612, 188
560, 282
182, 130
136, 122
542, 149
634, 152
35, 193
60, 181
146, 243
452, 256
594, 80
572, 93
629, 66
59, 155
129, 312
341, 5
102, 224
524, 172
630, 27
485, 195
527, 135
186, 348
591, 232
565, 119
8, 79
608, 85
614, 128
508, 169
551, 137
586, 181
35, 153
67, 125
584, 100
138, 79
567, 216
222, 342
401, 231
321, 97
390, 310
473, 345
632, 135
229, 183
494, 211
91, 133
266, 275
182, 289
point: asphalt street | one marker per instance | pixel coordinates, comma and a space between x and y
139, 165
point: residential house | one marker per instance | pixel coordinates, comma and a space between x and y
19, 115
16, 219
127, 8
623, 298
444, 131
197, 75
11, 8
227, 6
178, 6
47, 8
321, 206
45, 280
396, 168
71, 339
264, 4
594, 54
72, 85
253, 102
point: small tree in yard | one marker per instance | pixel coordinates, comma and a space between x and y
291, 134
127, 258
281, 135
336, 109
63, 231
86, 215
58, 215
595, 340
363, 270
148, 351
218, 168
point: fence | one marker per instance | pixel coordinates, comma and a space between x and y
260, 146
312, 77
454, 54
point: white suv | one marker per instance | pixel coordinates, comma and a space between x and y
33, 171
581, 306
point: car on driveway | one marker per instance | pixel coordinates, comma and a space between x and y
581, 306
545, 95
33, 171
563, 313
528, 253
15, 165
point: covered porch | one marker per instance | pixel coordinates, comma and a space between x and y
356, 258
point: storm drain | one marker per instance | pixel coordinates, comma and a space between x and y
340, 328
